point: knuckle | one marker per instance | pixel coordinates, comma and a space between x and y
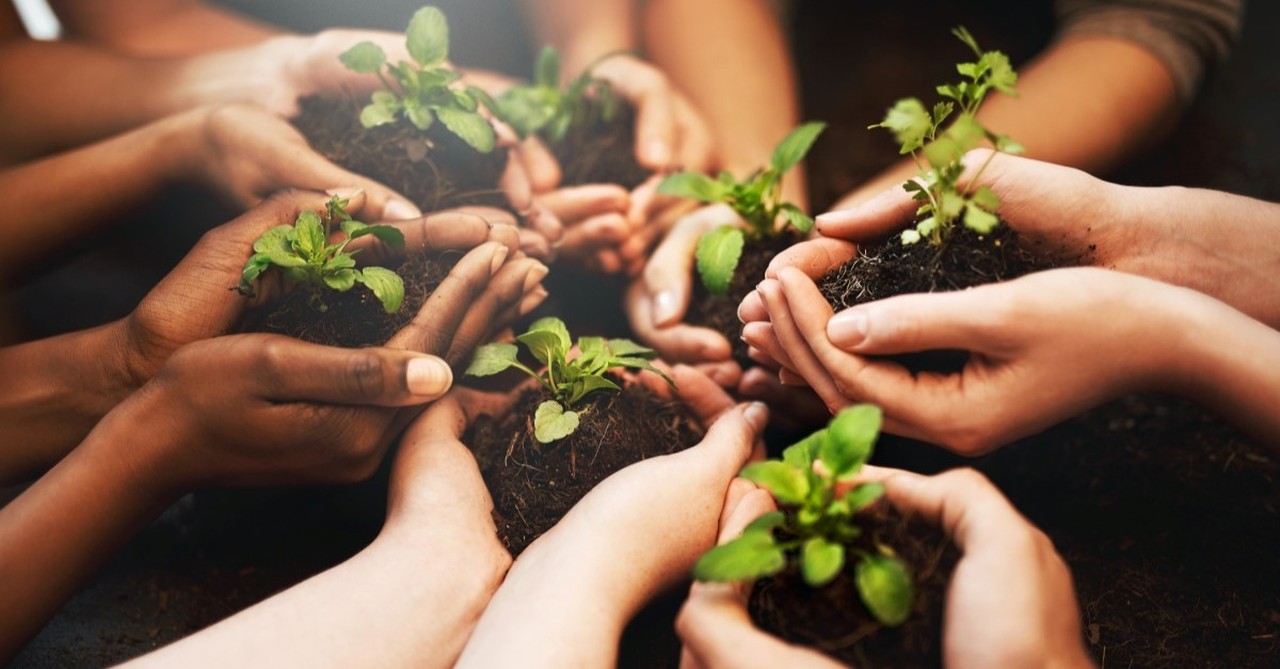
365, 375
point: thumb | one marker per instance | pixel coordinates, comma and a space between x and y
293, 370
668, 276
890, 211
729, 442
912, 323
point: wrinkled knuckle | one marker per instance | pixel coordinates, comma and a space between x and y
366, 375
273, 356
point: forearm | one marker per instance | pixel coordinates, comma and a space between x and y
159, 27
731, 58
1087, 102
397, 603
67, 196
61, 529
52, 394
583, 30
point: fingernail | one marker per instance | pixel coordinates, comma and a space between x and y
757, 414
847, 328
428, 376
399, 210
346, 193
499, 257
532, 300
665, 309
788, 378
743, 319
659, 153
535, 276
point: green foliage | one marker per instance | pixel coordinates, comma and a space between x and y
757, 199
815, 529
545, 108
567, 380
423, 91
304, 255
938, 149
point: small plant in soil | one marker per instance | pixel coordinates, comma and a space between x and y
757, 199
589, 129
304, 256
422, 91
566, 380
816, 530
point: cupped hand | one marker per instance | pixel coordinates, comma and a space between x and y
1042, 348
196, 301
595, 224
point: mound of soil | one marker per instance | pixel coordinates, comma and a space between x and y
435, 169
534, 485
355, 318
833, 619
720, 312
602, 151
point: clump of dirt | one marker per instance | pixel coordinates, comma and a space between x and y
435, 169
720, 312
833, 619
601, 151
534, 485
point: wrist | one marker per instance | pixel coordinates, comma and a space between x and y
134, 444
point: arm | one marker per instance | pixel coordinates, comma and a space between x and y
158, 27
583, 31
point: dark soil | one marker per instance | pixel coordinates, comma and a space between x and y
435, 169
720, 312
833, 618
602, 151
966, 259
355, 318
534, 485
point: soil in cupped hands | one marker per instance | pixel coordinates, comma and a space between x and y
601, 152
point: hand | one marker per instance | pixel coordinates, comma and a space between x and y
195, 300
657, 301
248, 153
595, 223
1042, 348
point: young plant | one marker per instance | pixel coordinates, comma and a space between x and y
938, 152
304, 255
815, 528
422, 91
756, 199
568, 380
543, 107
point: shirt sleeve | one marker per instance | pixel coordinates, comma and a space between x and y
1188, 36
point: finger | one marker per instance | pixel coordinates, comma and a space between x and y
293, 370
754, 502
574, 203
963, 502
726, 373
704, 397
752, 309
738, 488
892, 210
677, 343
793, 407
760, 336
607, 261
433, 327
444, 231
792, 340
730, 439
505, 290
668, 275
534, 244
968, 319
815, 257
594, 234
539, 163
515, 184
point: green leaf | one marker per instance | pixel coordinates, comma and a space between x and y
1005, 144
555, 326
387, 234
552, 422
979, 220
376, 114
470, 127
491, 359
753, 555
797, 218
427, 36
386, 285
544, 345
850, 438
927, 225
886, 588
767, 522
625, 348
717, 254
941, 111
986, 198
820, 561
253, 268
354, 228
421, 117
365, 57
309, 241
1001, 75
963, 35
589, 384
786, 483
546, 70
340, 261
909, 123
802, 453
641, 363
341, 279
792, 149
861, 495
593, 353
276, 245
693, 185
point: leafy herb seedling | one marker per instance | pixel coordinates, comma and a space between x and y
919, 131
303, 254
567, 380
543, 107
815, 528
756, 199
422, 90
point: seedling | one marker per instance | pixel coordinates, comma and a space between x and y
423, 90
543, 107
815, 529
304, 256
938, 152
568, 380
757, 200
